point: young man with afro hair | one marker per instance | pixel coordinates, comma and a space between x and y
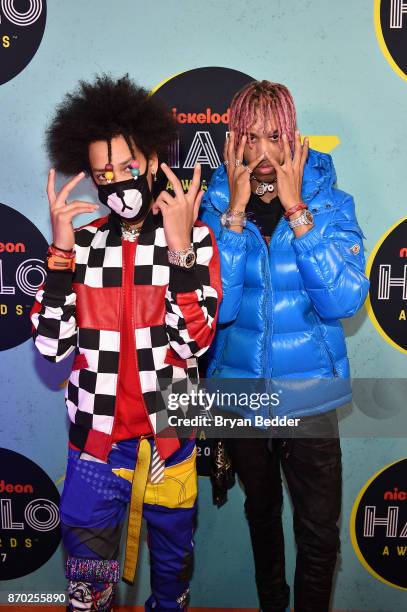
134, 296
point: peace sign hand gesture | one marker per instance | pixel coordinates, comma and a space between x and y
238, 173
180, 211
62, 213
290, 172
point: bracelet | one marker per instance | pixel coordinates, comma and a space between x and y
230, 217
60, 249
294, 209
54, 250
55, 262
238, 213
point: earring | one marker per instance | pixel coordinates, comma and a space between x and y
154, 176
109, 174
135, 169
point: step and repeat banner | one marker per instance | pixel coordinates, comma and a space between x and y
346, 66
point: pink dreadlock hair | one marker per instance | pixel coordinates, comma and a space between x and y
267, 100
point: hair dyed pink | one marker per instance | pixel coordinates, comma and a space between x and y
267, 100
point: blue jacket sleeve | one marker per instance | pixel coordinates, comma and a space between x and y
232, 252
331, 262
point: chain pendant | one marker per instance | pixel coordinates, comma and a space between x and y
130, 235
263, 187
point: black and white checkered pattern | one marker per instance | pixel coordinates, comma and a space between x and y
55, 325
166, 352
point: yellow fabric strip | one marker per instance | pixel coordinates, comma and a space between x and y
138, 488
178, 488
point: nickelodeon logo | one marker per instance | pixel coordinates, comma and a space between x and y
12, 247
6, 487
395, 495
206, 117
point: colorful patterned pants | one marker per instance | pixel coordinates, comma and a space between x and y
93, 511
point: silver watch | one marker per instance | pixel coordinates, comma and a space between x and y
305, 218
184, 259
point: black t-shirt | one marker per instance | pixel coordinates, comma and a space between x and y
265, 216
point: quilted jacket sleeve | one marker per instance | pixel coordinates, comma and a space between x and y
233, 255
53, 317
331, 263
192, 298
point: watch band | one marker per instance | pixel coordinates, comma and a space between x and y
306, 218
184, 258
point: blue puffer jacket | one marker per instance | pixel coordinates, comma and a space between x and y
281, 304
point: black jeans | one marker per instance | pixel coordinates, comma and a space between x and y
313, 471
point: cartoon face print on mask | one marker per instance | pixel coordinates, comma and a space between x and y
123, 176
129, 199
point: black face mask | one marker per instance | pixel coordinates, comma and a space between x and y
129, 199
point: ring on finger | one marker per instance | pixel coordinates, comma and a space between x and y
226, 162
249, 170
238, 162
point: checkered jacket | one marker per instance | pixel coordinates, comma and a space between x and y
174, 315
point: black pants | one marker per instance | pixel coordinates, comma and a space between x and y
312, 468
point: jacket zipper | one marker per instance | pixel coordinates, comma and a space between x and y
120, 336
133, 328
324, 346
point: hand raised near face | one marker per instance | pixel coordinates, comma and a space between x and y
181, 210
290, 172
238, 173
62, 213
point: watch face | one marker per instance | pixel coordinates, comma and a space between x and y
309, 216
190, 260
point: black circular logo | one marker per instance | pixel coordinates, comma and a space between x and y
387, 270
199, 102
22, 25
391, 31
379, 525
22, 252
29, 516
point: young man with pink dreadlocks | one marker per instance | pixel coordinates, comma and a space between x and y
292, 265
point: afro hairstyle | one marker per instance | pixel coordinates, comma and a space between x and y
101, 110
